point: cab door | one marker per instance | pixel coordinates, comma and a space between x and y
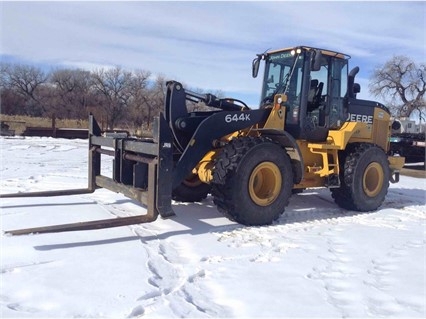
326, 96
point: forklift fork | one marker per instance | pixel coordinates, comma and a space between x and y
142, 171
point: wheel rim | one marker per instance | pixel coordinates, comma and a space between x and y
373, 179
265, 183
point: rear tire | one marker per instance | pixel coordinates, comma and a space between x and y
252, 181
364, 178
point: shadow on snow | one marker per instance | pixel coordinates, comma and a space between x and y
197, 218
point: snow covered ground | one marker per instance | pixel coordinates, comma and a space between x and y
316, 261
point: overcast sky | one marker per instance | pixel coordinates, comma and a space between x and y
208, 45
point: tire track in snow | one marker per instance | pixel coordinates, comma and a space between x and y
264, 243
13, 268
358, 290
14, 304
183, 294
381, 278
176, 285
337, 274
22, 309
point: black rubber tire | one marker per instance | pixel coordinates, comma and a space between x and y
191, 191
234, 177
364, 178
297, 190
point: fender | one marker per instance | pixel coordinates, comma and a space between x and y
210, 129
289, 143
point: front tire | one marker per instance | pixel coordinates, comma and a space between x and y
252, 181
364, 177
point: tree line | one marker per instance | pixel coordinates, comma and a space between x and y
114, 95
133, 98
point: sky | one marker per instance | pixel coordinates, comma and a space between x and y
208, 45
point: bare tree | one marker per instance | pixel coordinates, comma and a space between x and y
113, 86
10, 102
402, 84
140, 97
157, 98
72, 92
115, 96
26, 81
4, 71
153, 102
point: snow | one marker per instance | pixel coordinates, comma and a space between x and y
317, 260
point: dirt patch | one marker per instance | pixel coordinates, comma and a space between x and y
19, 123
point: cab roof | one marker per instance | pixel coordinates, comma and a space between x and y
308, 48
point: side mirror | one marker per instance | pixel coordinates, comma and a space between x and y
316, 60
357, 88
255, 66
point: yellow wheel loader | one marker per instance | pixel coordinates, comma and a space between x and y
310, 130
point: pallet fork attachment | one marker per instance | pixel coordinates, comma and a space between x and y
142, 171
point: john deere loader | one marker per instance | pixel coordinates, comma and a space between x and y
310, 130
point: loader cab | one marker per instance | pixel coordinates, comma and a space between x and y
315, 83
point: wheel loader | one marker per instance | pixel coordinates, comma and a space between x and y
309, 131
